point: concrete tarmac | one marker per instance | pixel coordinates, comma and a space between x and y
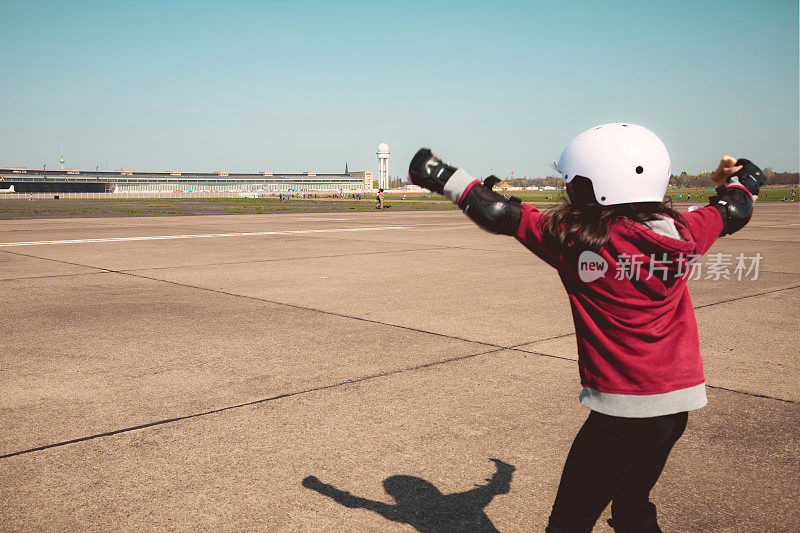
167, 373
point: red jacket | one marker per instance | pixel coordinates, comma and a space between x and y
635, 325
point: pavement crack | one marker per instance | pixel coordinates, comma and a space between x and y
277, 259
716, 387
164, 421
747, 296
312, 309
101, 269
542, 354
753, 394
265, 300
23, 278
520, 251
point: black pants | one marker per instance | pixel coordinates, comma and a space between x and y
617, 460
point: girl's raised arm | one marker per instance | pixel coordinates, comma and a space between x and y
490, 210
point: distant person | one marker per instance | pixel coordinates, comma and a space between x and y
380, 199
637, 339
30, 198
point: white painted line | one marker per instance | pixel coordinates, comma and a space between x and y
315, 219
202, 236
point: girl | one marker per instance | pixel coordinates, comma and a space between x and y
623, 255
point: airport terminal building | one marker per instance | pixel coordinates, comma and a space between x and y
24, 180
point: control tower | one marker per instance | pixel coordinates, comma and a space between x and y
383, 162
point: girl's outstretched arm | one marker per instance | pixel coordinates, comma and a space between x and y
490, 210
738, 183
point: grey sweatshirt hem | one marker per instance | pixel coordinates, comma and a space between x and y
645, 406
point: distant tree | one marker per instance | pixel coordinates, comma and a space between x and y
782, 178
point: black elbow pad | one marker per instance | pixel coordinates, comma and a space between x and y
735, 206
492, 211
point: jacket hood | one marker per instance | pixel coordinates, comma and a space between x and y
650, 260
656, 256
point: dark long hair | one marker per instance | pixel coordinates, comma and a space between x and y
570, 226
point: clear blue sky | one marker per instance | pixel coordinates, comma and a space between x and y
292, 86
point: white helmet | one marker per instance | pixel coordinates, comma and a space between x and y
625, 163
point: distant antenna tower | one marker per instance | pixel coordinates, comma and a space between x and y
61, 143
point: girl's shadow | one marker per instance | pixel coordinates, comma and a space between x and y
422, 505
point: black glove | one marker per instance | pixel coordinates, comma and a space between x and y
428, 171
750, 176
